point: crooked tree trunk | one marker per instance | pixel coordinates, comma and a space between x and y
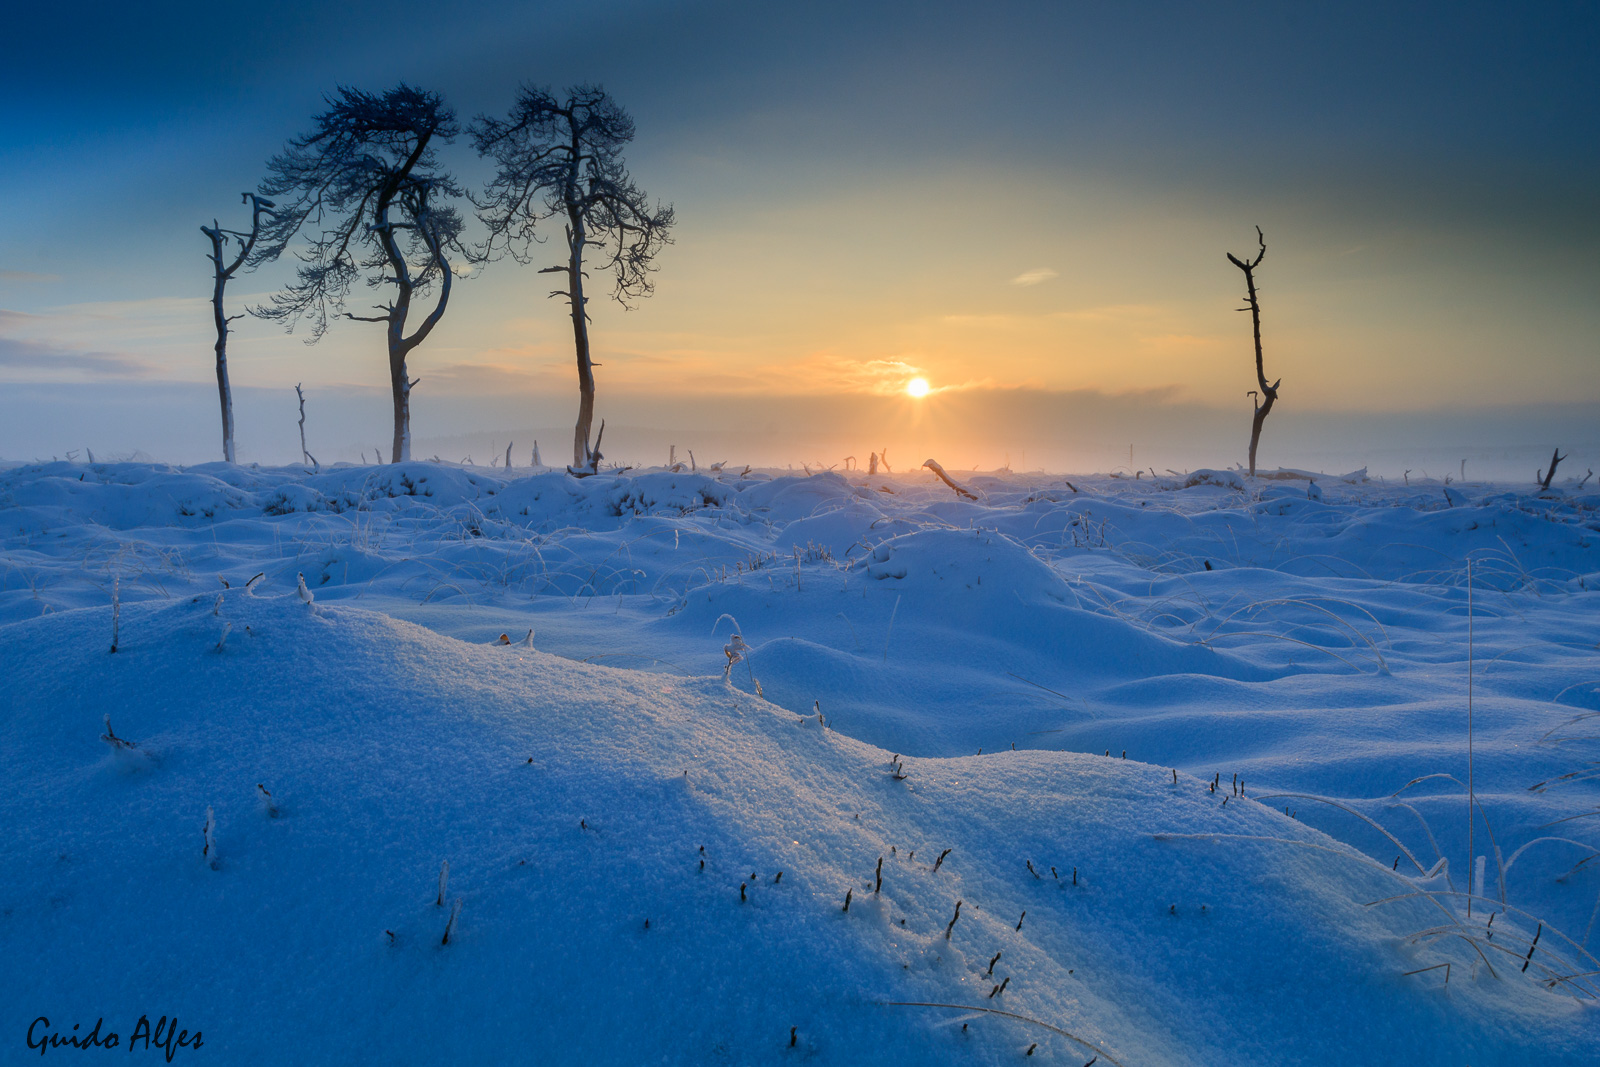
1555, 461
400, 346
1268, 393
582, 457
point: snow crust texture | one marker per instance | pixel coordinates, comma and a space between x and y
1159, 772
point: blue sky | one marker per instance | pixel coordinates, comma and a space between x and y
1024, 203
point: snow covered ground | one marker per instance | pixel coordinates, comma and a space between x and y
616, 800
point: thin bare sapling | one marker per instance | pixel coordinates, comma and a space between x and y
1266, 395
223, 269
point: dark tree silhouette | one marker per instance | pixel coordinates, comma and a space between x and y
367, 171
563, 159
1269, 393
1555, 461
222, 272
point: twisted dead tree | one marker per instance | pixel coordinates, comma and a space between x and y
1268, 394
222, 272
304, 453
1555, 460
563, 159
367, 187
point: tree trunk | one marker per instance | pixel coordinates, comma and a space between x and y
1255, 429
395, 333
400, 388
1269, 393
581, 456
224, 390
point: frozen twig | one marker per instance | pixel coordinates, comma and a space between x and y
961, 490
110, 737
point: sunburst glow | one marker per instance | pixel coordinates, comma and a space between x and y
917, 387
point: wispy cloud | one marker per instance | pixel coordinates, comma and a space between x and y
90, 341
26, 276
38, 359
1034, 276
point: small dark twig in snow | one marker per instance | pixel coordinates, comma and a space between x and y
449, 927
1435, 967
110, 737
209, 831
953, 919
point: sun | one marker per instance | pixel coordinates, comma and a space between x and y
917, 387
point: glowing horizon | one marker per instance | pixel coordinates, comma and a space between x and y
829, 241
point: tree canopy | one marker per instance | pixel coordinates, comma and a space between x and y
563, 159
367, 191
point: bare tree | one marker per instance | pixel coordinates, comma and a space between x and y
222, 272
367, 171
563, 158
1555, 461
304, 453
1268, 394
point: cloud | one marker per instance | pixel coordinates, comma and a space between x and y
26, 276
20, 355
1034, 276
23, 357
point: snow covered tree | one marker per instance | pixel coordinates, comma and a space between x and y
222, 272
367, 187
563, 158
1268, 394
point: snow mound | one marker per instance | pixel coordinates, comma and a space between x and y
346, 754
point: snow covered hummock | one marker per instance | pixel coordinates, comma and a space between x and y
615, 830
